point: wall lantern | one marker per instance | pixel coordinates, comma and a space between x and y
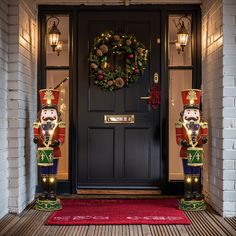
53, 32
183, 34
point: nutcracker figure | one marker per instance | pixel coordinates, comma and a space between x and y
49, 133
191, 135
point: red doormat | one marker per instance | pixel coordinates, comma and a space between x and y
118, 211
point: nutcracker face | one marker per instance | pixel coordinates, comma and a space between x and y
48, 115
191, 114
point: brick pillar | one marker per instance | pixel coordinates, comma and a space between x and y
219, 92
3, 108
229, 108
21, 103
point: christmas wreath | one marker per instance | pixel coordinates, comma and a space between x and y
109, 44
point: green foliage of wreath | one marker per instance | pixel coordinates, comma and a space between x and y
107, 45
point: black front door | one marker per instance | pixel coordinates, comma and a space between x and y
118, 155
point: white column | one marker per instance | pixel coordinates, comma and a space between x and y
3, 108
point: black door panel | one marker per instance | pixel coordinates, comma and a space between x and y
118, 155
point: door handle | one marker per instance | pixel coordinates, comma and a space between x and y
156, 80
144, 98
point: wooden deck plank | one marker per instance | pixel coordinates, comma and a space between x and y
173, 230
146, 231
182, 230
198, 225
223, 223
8, 222
208, 225
91, 230
232, 222
215, 225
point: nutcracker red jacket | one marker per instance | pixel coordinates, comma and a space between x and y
181, 134
59, 134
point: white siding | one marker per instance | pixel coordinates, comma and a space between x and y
3, 108
21, 105
219, 101
229, 112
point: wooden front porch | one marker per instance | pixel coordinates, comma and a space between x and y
31, 222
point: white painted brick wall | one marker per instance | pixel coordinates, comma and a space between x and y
229, 92
3, 108
219, 103
212, 76
21, 103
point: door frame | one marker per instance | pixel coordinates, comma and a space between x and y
70, 186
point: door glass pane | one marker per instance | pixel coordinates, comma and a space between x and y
54, 77
58, 58
179, 56
178, 81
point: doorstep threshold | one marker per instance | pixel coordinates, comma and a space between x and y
118, 192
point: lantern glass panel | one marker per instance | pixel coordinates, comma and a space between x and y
183, 39
177, 57
52, 57
53, 39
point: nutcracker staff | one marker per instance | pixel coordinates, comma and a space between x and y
191, 134
49, 134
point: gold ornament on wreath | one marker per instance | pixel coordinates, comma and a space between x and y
109, 44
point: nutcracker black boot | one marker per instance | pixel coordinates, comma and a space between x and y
188, 188
44, 186
52, 188
197, 188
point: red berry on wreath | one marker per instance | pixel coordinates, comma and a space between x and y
130, 56
136, 71
100, 77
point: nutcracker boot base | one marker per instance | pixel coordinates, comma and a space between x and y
43, 196
48, 205
197, 188
52, 188
44, 185
192, 205
188, 188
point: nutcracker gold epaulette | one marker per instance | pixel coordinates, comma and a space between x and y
178, 124
36, 125
204, 125
62, 124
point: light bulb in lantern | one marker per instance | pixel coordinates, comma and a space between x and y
178, 47
58, 48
